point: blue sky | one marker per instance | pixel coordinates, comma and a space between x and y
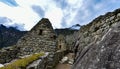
62, 13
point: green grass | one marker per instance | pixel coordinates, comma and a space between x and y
22, 63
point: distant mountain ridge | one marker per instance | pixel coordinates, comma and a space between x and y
68, 31
65, 31
9, 35
75, 27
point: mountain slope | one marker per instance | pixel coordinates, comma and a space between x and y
65, 31
68, 31
9, 36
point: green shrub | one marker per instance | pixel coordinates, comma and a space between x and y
22, 63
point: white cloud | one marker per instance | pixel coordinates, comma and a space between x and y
75, 3
21, 15
55, 17
71, 11
52, 12
74, 11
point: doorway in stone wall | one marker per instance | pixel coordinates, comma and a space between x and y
60, 47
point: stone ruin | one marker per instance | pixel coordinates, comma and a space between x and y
40, 38
61, 43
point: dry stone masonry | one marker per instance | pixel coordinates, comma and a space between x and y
8, 54
61, 43
40, 38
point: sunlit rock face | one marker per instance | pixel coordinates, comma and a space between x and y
40, 38
98, 43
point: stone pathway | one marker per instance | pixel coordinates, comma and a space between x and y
65, 65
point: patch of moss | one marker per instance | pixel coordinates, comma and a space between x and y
22, 63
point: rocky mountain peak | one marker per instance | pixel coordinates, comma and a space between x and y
2, 26
76, 27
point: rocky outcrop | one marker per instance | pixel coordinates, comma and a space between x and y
97, 46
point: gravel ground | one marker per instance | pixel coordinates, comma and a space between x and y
65, 65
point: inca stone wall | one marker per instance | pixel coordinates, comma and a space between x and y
97, 46
40, 63
8, 54
40, 38
44, 61
61, 43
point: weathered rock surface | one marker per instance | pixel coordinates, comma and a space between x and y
47, 62
98, 46
40, 63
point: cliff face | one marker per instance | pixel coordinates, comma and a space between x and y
97, 46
